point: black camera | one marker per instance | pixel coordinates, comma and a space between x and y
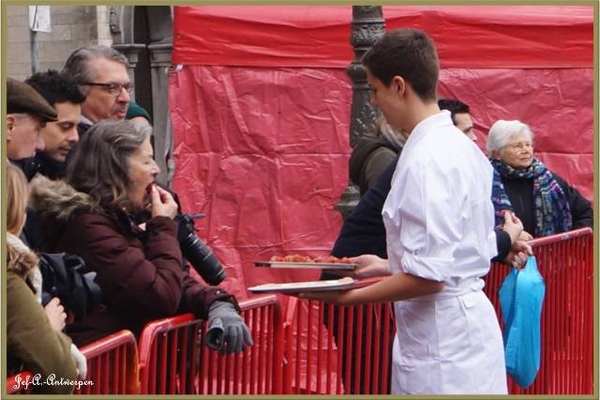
198, 253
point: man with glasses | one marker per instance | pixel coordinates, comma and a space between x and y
101, 73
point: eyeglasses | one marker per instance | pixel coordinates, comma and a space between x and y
113, 88
515, 147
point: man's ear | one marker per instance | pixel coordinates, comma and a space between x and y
10, 124
400, 85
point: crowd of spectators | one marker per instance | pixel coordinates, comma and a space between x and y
82, 180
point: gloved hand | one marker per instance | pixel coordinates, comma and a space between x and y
227, 331
80, 362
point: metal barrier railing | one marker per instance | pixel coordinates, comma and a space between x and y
337, 349
173, 359
338, 360
567, 324
112, 364
325, 349
167, 348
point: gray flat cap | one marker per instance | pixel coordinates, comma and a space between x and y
22, 98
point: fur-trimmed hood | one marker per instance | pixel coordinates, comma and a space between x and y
56, 201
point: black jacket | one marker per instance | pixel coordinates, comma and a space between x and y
520, 194
39, 164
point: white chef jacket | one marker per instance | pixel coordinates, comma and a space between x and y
439, 221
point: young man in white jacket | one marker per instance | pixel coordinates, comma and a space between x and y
439, 222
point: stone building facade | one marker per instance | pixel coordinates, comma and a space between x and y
72, 27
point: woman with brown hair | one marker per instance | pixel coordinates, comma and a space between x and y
110, 180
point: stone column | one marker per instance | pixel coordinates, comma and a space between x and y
368, 26
160, 64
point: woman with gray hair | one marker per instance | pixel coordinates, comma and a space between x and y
109, 181
545, 203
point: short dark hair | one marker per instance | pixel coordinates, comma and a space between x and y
56, 87
408, 53
454, 106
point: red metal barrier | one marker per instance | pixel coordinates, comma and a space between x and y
337, 349
567, 325
18, 383
112, 368
326, 349
112, 365
173, 359
357, 343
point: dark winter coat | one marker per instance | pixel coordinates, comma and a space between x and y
520, 194
140, 272
368, 160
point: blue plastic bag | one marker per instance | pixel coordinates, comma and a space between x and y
521, 298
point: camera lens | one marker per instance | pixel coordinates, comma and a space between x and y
202, 259
198, 253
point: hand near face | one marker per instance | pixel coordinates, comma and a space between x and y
56, 314
162, 203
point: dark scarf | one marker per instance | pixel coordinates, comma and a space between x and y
552, 211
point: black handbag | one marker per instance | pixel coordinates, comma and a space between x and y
65, 276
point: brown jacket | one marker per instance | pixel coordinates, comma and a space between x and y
31, 342
140, 272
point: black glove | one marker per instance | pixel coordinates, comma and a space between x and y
227, 331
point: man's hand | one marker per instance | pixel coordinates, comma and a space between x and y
369, 266
517, 257
525, 236
512, 225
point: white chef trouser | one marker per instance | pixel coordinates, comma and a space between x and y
448, 346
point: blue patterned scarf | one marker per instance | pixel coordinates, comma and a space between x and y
552, 211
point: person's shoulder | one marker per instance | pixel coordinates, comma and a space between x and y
17, 289
373, 142
364, 150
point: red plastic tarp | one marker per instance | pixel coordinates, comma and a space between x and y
261, 111
317, 36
